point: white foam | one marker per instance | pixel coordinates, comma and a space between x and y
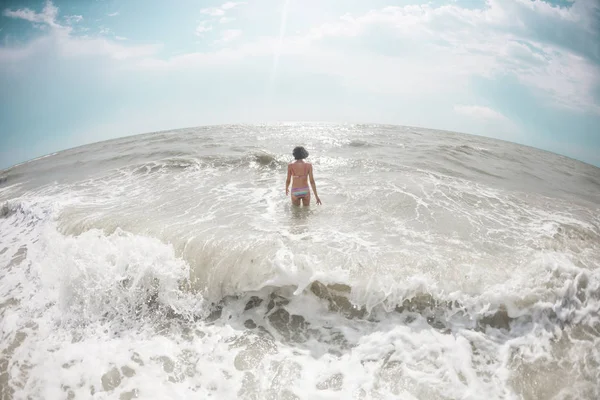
439, 287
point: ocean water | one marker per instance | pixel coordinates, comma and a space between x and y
172, 265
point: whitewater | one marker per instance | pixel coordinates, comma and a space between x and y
172, 265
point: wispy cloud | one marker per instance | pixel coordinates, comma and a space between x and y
493, 41
217, 14
229, 35
226, 20
479, 112
505, 38
47, 16
113, 14
485, 120
73, 19
220, 11
229, 5
202, 28
62, 40
488, 42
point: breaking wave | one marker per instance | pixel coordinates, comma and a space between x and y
174, 265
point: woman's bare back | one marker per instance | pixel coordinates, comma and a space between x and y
299, 174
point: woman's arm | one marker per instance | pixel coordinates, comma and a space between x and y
288, 179
313, 184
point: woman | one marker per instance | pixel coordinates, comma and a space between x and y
302, 172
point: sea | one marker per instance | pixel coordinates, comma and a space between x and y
172, 265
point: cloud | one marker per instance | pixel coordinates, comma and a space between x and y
229, 5
229, 35
486, 121
62, 42
481, 112
47, 16
67, 46
103, 47
506, 37
540, 45
220, 11
113, 14
73, 19
489, 122
489, 42
203, 27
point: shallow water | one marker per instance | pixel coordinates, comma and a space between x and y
171, 265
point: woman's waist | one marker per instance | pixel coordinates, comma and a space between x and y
299, 188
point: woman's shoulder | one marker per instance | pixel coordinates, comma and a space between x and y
293, 163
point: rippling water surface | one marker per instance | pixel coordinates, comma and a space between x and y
171, 265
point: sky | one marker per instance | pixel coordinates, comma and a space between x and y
74, 72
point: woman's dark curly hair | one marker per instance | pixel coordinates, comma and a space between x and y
300, 153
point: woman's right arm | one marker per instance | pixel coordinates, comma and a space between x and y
313, 184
